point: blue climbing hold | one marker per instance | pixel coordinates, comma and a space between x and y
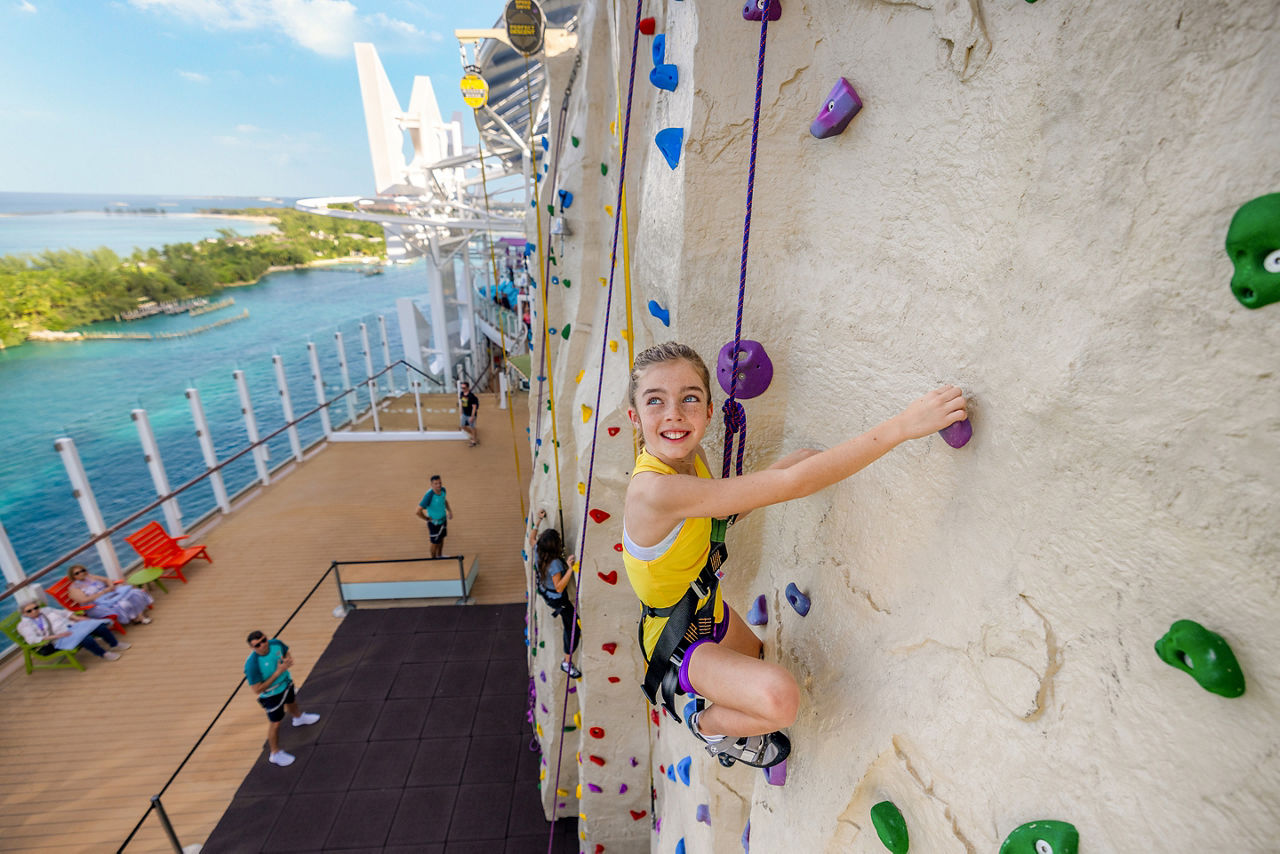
703, 814
758, 613
555, 280
529, 249
682, 769
680, 846
546, 146
798, 600
669, 142
659, 312
746, 838
671, 773
551, 331
666, 77
659, 49
566, 200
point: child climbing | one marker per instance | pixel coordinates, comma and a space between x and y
554, 572
740, 702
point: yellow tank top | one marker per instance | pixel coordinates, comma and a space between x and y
662, 581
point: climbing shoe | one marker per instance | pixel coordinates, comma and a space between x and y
567, 667
758, 751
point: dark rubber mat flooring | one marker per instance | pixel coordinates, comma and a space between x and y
422, 745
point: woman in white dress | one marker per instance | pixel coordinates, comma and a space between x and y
103, 596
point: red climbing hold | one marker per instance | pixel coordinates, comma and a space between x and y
599, 848
615, 680
648, 26
617, 547
638, 814
609, 578
596, 732
613, 431
609, 647
598, 515
653, 713
597, 760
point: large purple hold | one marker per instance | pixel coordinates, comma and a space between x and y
703, 814
758, 613
776, 775
841, 106
754, 10
957, 435
755, 369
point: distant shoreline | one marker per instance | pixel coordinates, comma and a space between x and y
176, 214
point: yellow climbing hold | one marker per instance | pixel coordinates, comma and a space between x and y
579, 791
604, 283
538, 727
608, 209
586, 413
582, 488
564, 793
542, 774
613, 128
582, 373
613, 345
577, 719
625, 333
583, 816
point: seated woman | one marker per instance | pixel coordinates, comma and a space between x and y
553, 574
105, 597
59, 629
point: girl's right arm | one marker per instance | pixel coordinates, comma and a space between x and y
672, 498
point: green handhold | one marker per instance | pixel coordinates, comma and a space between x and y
1042, 837
604, 168
564, 333
545, 468
574, 140
553, 259
1253, 245
542, 644
551, 209
1193, 649
567, 283
570, 728
890, 827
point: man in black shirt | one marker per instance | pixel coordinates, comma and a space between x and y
469, 406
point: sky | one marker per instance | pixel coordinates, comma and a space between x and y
211, 97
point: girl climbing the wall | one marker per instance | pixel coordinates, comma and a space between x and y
553, 574
691, 640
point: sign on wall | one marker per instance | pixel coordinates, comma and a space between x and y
524, 26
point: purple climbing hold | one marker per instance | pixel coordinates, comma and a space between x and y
666, 77
592, 787
758, 613
573, 689
543, 675
659, 312
776, 775
957, 435
755, 369
544, 708
754, 10
669, 141
798, 600
841, 106
746, 838
659, 49
703, 814
622, 790
682, 769
634, 763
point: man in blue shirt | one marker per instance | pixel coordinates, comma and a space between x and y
267, 672
434, 507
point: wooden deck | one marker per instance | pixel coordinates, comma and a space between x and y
82, 753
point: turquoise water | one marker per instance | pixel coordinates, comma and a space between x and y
85, 390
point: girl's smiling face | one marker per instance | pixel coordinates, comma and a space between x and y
672, 409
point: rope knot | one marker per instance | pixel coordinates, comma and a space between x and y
735, 417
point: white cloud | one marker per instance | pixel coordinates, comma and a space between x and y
326, 27
245, 128
28, 7
193, 76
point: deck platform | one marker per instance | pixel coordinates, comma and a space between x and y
84, 752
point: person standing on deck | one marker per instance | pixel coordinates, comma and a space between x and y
469, 407
267, 672
434, 507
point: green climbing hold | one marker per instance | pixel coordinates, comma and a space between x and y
1204, 655
564, 333
551, 209
567, 283
1253, 245
545, 468
1042, 837
574, 140
553, 258
570, 728
890, 827
542, 644
604, 168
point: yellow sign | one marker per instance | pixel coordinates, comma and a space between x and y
475, 90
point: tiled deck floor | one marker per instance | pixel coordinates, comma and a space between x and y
81, 754
422, 745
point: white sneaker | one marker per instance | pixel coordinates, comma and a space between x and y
281, 758
111, 656
123, 645
306, 719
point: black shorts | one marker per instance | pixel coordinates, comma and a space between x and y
276, 702
437, 531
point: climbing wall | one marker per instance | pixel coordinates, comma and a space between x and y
1032, 203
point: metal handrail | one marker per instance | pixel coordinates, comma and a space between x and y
12, 590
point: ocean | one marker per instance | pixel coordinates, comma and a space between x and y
85, 391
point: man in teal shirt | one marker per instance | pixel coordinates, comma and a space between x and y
267, 672
434, 507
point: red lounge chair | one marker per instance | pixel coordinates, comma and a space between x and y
160, 550
58, 590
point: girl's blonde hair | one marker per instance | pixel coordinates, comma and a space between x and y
668, 352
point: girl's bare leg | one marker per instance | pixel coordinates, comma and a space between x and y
748, 696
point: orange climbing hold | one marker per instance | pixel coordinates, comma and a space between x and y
598, 515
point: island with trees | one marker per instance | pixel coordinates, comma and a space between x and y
60, 289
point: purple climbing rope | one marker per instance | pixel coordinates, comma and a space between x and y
735, 417
604, 343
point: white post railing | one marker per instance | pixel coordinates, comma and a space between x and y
9, 563
210, 455
386, 353
316, 378
251, 427
346, 379
88, 505
286, 404
151, 453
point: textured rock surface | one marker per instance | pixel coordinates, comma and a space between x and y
1032, 205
